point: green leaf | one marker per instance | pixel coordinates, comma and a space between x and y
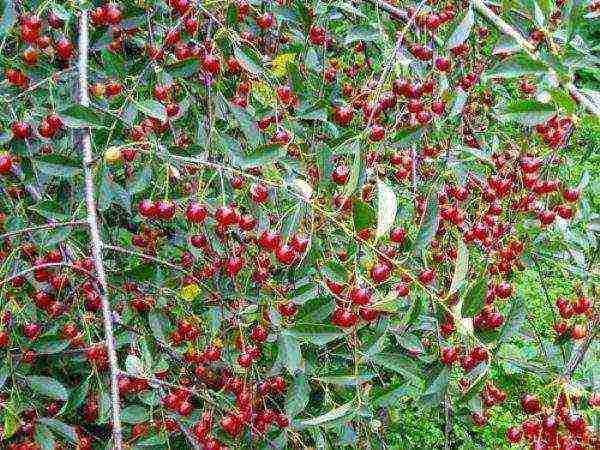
58, 165
462, 31
458, 103
153, 441
526, 112
50, 344
249, 59
65, 431
386, 208
360, 33
135, 414
44, 437
289, 348
364, 216
4, 373
11, 422
347, 7
333, 417
352, 183
9, 16
77, 116
140, 181
185, 68
346, 380
400, 364
77, 396
261, 157
474, 298
514, 319
48, 387
476, 386
247, 125
429, 224
516, 66
317, 334
461, 267
389, 395
152, 108
298, 396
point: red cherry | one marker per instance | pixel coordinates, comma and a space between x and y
380, 272
165, 209
343, 115
6, 163
226, 215
265, 20
113, 13
571, 194
269, 240
259, 334
449, 355
211, 64
259, 193
64, 49
530, 403
514, 434
286, 254
21, 130
196, 212
442, 64
148, 208
340, 175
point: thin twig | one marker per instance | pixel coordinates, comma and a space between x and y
46, 226
96, 242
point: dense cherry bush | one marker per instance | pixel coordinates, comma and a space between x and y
266, 224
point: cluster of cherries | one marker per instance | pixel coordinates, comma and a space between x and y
581, 306
548, 428
490, 397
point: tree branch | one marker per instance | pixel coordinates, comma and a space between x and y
529, 48
50, 225
96, 242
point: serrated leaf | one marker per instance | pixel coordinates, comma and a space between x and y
360, 33
516, 66
429, 224
48, 387
77, 397
343, 412
298, 396
461, 267
363, 215
462, 31
44, 437
58, 165
249, 59
400, 364
346, 380
247, 125
317, 334
352, 183
526, 112
185, 68
135, 414
289, 348
77, 116
152, 108
474, 298
62, 429
9, 16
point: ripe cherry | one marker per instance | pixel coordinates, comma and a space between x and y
380, 272
196, 212
211, 64
21, 130
6, 163
340, 174
530, 403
